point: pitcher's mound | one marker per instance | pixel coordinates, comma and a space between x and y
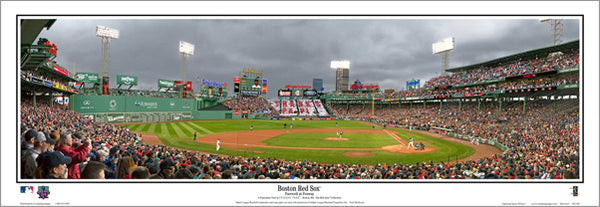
336, 139
358, 154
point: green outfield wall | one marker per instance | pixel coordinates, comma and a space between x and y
132, 109
128, 109
211, 115
123, 104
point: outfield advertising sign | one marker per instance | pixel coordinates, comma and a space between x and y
568, 86
213, 83
165, 83
115, 118
110, 104
60, 70
88, 77
566, 70
137, 104
95, 104
127, 80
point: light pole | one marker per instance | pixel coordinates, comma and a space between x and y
444, 47
186, 50
106, 34
556, 27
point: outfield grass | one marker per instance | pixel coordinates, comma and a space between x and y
317, 140
180, 135
185, 130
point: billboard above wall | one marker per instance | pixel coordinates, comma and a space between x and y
165, 83
87, 77
127, 80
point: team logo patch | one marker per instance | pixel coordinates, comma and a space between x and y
43, 192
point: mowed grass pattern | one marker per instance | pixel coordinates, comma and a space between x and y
180, 135
317, 140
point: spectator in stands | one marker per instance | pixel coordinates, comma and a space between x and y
183, 173
28, 164
52, 165
125, 166
77, 155
93, 170
111, 163
167, 167
101, 155
140, 172
50, 143
28, 140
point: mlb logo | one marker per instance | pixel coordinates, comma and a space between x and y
43, 192
25, 189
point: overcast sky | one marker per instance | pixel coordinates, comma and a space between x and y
387, 52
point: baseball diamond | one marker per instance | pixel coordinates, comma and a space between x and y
309, 136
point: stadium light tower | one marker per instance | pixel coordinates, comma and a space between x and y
444, 47
186, 49
556, 27
106, 34
342, 74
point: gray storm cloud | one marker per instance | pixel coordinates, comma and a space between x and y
294, 51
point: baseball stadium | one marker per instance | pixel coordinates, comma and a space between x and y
513, 117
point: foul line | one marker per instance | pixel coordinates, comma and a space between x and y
395, 136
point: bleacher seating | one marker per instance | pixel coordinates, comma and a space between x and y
300, 107
276, 104
288, 108
306, 107
320, 108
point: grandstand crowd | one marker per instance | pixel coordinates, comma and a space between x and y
33, 76
518, 67
251, 103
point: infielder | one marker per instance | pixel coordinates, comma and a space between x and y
218, 144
